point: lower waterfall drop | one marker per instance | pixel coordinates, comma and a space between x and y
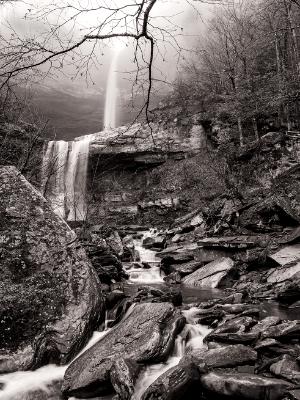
64, 177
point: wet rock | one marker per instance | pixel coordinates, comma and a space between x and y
287, 368
210, 275
290, 292
288, 259
234, 331
181, 269
50, 295
272, 348
146, 334
123, 375
265, 324
157, 242
293, 394
115, 243
229, 242
269, 214
244, 386
114, 297
179, 258
223, 357
284, 331
150, 294
178, 382
173, 279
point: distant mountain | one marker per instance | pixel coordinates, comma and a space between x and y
72, 112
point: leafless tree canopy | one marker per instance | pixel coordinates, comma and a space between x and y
76, 32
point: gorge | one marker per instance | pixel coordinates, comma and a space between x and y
157, 260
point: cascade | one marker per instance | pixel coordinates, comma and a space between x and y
64, 177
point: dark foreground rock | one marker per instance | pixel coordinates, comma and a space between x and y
244, 386
227, 356
146, 334
50, 294
123, 376
178, 382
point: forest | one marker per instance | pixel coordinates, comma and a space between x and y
150, 199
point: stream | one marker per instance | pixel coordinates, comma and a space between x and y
16, 385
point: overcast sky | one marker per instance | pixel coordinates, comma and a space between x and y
179, 12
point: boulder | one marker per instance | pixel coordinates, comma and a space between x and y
287, 368
178, 382
115, 243
244, 386
211, 274
284, 331
123, 376
234, 331
269, 214
288, 259
146, 334
223, 357
157, 242
51, 299
181, 269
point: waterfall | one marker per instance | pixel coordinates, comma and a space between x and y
111, 94
64, 177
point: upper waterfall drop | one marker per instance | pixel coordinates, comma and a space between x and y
65, 164
110, 111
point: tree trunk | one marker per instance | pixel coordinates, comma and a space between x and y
255, 128
240, 128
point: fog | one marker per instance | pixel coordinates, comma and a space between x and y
176, 24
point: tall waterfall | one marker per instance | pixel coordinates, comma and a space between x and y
65, 164
64, 177
110, 120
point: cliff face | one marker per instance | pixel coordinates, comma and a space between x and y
136, 173
141, 144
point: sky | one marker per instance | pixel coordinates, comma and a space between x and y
29, 19
173, 15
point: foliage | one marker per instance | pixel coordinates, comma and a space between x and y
247, 68
27, 307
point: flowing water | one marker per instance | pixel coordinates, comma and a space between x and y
150, 275
190, 338
64, 177
110, 111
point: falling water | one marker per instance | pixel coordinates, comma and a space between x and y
111, 93
190, 338
53, 181
64, 177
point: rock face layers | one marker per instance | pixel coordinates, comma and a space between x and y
50, 294
143, 146
146, 334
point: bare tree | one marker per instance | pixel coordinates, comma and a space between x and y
67, 38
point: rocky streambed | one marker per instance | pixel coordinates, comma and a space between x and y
176, 314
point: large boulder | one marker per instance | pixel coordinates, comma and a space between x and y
50, 294
244, 386
227, 356
146, 334
211, 274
